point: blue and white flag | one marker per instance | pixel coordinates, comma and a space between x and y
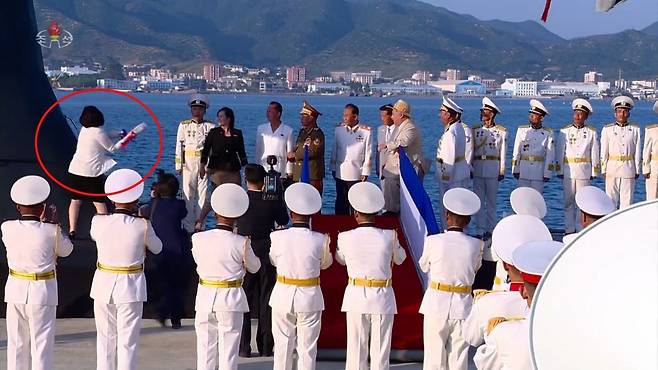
305, 175
416, 212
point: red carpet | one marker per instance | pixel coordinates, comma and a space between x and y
408, 324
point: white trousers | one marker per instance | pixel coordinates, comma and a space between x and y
195, 191
571, 210
372, 328
117, 335
620, 190
295, 331
486, 189
535, 184
652, 186
443, 187
217, 332
30, 333
444, 346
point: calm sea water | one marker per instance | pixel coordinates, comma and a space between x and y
170, 109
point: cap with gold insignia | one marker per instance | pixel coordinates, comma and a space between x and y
622, 101
366, 197
402, 107
387, 107
308, 109
582, 105
30, 190
120, 180
532, 258
489, 104
461, 201
303, 199
537, 107
229, 200
594, 201
448, 104
514, 230
198, 100
655, 107
528, 201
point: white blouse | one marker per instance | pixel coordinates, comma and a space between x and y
91, 154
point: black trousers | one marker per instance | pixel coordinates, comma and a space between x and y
342, 206
258, 288
485, 276
171, 280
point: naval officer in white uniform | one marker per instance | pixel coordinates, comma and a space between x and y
275, 138
298, 253
369, 303
220, 300
650, 158
577, 159
594, 204
621, 155
119, 286
534, 151
451, 260
31, 289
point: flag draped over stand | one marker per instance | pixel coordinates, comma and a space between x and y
305, 175
416, 212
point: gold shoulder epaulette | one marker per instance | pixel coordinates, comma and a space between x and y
365, 127
501, 127
477, 293
495, 321
652, 126
186, 122
465, 125
547, 128
477, 127
591, 127
524, 126
609, 125
634, 125
567, 125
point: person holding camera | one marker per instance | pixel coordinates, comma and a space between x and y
265, 212
166, 214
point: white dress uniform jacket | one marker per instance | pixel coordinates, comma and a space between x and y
351, 156
507, 347
90, 158
491, 304
534, 152
650, 160
369, 253
277, 143
121, 240
32, 247
489, 158
195, 189
221, 255
577, 152
451, 155
621, 155
298, 253
468, 149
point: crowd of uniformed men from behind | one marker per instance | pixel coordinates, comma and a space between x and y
283, 266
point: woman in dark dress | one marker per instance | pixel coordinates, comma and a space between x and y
223, 154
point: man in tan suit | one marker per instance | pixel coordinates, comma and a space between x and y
407, 136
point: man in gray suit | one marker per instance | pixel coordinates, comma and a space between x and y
407, 136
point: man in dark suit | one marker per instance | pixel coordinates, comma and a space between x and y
262, 217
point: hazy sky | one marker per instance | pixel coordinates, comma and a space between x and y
567, 18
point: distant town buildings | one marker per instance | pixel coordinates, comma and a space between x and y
593, 77
422, 76
364, 78
460, 87
451, 74
212, 72
295, 75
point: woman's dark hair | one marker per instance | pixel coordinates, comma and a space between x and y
91, 117
168, 186
228, 112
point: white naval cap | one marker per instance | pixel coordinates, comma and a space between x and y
198, 100
583, 105
448, 104
461, 201
489, 104
229, 200
122, 179
594, 201
622, 101
366, 197
30, 190
655, 107
514, 230
303, 199
537, 107
528, 201
532, 258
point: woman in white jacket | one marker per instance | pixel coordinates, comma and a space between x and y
89, 164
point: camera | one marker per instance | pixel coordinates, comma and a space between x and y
273, 186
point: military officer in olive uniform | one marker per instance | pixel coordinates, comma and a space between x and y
311, 137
